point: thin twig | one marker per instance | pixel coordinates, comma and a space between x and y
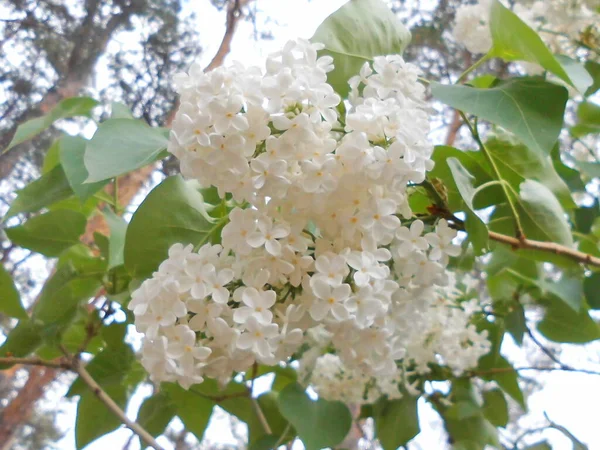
112, 406
73, 363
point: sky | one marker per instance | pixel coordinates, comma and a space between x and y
569, 399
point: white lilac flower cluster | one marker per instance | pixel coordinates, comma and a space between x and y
560, 23
437, 332
316, 239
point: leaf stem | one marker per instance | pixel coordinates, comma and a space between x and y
475, 133
475, 66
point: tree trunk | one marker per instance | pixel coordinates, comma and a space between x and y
19, 410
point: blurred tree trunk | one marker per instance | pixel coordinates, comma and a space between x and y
20, 409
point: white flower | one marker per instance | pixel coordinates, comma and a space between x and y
441, 242
204, 311
366, 267
215, 282
256, 337
472, 28
257, 306
411, 239
332, 268
225, 114
331, 299
267, 235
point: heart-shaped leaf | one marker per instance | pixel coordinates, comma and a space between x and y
320, 424
355, 33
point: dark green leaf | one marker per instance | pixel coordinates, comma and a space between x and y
49, 233
562, 324
69, 107
531, 108
475, 227
49, 188
267, 442
10, 300
94, 419
72, 151
320, 423
495, 408
120, 146
194, 411
396, 421
355, 33
514, 40
109, 367
588, 115
591, 289
155, 413
593, 69
61, 295
569, 290
21, 341
539, 446
516, 324
173, 212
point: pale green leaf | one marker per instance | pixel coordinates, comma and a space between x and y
357, 32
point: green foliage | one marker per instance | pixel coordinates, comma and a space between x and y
49, 233
477, 229
156, 412
72, 151
495, 408
319, 423
69, 107
396, 421
120, 146
531, 108
513, 40
588, 120
10, 300
116, 241
357, 32
173, 212
94, 419
46, 190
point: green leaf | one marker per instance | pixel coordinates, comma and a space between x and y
194, 411
542, 215
562, 324
591, 289
155, 413
52, 158
120, 146
49, 233
94, 419
72, 151
60, 297
10, 300
69, 107
516, 163
495, 408
472, 162
21, 341
108, 368
357, 32
475, 227
539, 446
396, 421
513, 40
320, 423
119, 110
116, 243
270, 408
516, 324
531, 108
173, 212
579, 76
49, 188
567, 289
593, 69
588, 115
